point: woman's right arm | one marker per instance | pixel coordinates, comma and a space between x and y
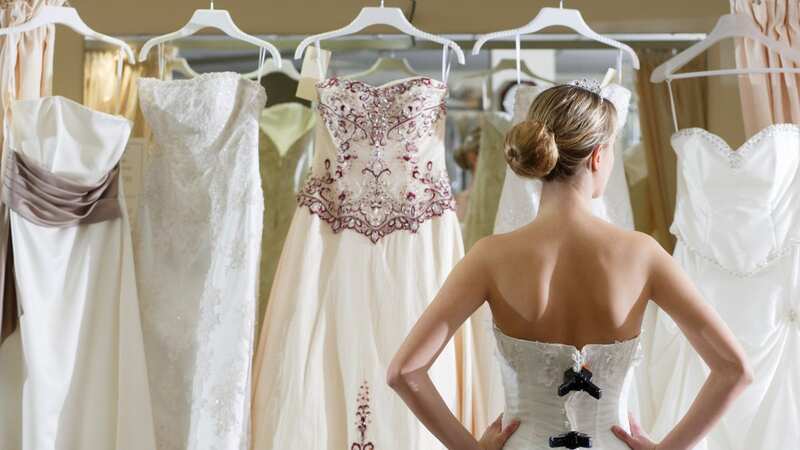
673, 291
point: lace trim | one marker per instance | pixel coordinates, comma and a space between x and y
773, 257
363, 419
736, 157
549, 373
374, 118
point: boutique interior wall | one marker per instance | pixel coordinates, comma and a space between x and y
126, 17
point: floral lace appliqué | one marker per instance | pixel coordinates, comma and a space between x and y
381, 179
363, 419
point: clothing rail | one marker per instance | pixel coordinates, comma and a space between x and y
287, 43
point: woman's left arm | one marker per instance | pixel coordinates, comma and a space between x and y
466, 288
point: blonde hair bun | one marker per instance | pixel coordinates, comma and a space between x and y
531, 149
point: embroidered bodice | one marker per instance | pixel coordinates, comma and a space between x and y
756, 187
379, 163
534, 372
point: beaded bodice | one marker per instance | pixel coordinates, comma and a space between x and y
534, 372
756, 187
379, 162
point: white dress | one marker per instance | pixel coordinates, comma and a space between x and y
197, 254
533, 373
737, 223
86, 381
519, 204
373, 239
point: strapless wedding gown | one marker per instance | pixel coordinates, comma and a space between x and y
372, 240
736, 222
532, 373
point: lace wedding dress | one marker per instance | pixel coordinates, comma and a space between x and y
85, 381
533, 375
373, 239
197, 256
736, 221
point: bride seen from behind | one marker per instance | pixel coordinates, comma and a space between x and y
567, 293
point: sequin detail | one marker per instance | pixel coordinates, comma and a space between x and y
363, 419
383, 178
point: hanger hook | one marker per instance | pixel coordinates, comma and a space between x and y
381, 3
212, 4
561, 4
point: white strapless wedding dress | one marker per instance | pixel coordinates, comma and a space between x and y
737, 223
533, 373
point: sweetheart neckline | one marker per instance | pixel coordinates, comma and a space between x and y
434, 82
752, 140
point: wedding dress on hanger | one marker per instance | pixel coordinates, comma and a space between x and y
372, 240
197, 256
285, 149
85, 375
490, 172
736, 222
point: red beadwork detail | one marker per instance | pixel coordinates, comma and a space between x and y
363, 419
357, 113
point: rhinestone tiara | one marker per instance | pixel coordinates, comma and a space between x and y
592, 86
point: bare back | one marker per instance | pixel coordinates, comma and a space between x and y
568, 279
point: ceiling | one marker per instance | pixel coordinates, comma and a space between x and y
131, 17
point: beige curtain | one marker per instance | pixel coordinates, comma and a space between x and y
104, 91
654, 206
770, 98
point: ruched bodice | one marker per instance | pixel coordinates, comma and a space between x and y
532, 374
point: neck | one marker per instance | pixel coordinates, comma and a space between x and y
566, 197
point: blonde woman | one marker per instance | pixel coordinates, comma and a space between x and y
567, 293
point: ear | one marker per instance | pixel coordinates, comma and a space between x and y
595, 158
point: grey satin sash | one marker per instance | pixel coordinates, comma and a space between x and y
48, 200
53, 201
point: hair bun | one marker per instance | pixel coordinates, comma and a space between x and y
531, 150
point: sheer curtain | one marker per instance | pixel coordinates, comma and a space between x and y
26, 70
770, 98
655, 207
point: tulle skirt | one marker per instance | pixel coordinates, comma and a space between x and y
339, 309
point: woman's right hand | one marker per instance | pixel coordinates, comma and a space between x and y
495, 437
636, 439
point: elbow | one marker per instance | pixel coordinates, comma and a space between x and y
746, 374
740, 373
396, 376
402, 376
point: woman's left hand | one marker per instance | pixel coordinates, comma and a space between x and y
636, 439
